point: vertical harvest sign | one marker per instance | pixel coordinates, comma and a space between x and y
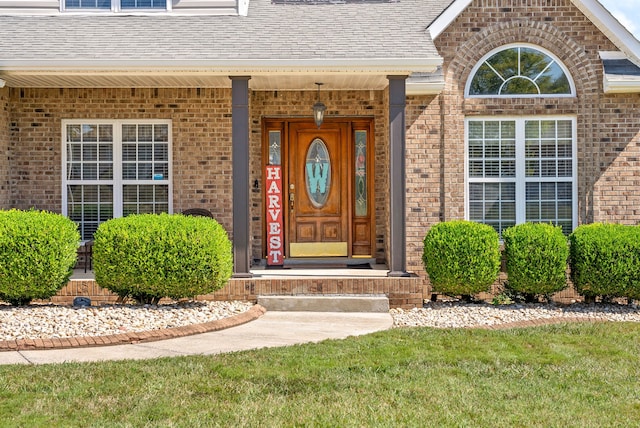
275, 241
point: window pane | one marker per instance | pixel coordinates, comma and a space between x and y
565, 168
129, 133
476, 149
519, 71
90, 133
74, 133
508, 169
491, 130
533, 62
145, 152
519, 86
274, 148
565, 129
105, 152
565, 149
90, 171
505, 63
145, 132
485, 82
492, 149
161, 133
105, 171
74, 171
160, 152
129, 171
476, 130
549, 168
160, 171
89, 205
105, 133
360, 168
554, 81
129, 152
476, 191
145, 171
533, 168
90, 152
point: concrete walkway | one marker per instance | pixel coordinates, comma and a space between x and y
270, 330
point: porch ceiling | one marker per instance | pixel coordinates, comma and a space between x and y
259, 82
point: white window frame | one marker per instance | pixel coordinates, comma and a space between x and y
521, 179
115, 7
117, 182
520, 45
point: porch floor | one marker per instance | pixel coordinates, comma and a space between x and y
262, 272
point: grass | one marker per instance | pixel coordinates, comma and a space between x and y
574, 375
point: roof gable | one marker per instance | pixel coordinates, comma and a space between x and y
592, 9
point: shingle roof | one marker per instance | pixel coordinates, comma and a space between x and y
621, 69
361, 30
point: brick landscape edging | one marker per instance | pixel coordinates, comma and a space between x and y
134, 337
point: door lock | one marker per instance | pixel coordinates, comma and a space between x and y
292, 199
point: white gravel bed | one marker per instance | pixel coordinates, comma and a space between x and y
459, 315
52, 321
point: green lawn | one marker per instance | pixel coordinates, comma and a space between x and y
575, 375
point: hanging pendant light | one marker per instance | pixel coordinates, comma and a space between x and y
319, 109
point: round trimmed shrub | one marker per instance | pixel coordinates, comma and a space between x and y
605, 260
147, 257
38, 250
537, 255
461, 257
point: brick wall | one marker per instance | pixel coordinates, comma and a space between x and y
425, 162
5, 125
616, 187
608, 125
201, 123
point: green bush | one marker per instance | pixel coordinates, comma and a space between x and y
605, 260
461, 257
147, 257
537, 256
37, 253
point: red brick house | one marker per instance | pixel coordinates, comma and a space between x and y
491, 110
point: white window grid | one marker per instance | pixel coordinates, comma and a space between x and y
502, 197
516, 46
115, 5
84, 196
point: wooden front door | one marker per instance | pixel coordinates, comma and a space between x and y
322, 204
318, 190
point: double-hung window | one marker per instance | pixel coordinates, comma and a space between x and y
521, 170
116, 5
113, 169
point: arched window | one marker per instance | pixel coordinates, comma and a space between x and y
519, 71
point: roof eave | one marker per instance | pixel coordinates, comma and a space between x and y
619, 86
424, 88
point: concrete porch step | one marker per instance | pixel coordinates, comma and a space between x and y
326, 303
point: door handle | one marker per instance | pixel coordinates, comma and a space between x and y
292, 199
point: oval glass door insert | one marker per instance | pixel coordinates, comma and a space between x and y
318, 173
